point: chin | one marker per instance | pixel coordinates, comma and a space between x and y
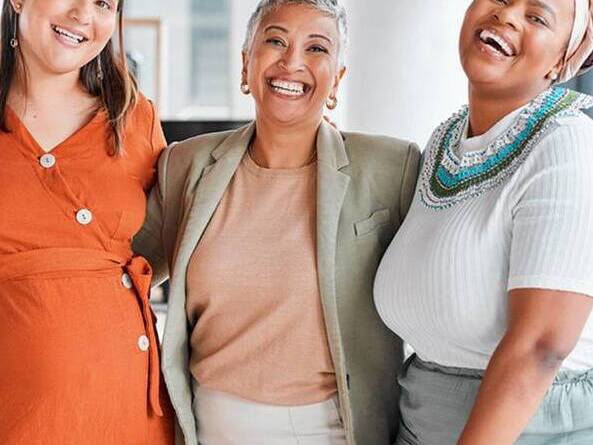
484, 73
65, 65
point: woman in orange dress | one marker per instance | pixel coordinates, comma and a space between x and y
79, 360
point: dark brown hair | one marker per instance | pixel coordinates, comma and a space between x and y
117, 88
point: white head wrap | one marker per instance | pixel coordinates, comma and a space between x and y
580, 46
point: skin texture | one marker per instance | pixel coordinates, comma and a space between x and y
53, 65
499, 85
300, 44
541, 333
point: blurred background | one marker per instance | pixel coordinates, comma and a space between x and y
403, 74
403, 78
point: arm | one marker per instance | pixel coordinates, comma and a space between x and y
544, 326
149, 242
410, 177
551, 248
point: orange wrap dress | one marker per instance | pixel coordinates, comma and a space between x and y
79, 357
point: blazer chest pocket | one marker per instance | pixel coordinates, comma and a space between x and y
377, 219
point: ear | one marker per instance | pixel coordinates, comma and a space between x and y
244, 70
17, 5
339, 76
554, 73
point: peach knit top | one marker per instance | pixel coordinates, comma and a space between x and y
253, 297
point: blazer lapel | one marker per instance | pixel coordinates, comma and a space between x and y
331, 191
210, 190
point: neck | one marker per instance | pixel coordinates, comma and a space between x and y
36, 87
283, 147
487, 108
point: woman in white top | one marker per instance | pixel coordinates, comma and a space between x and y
491, 276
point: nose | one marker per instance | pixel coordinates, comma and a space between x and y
508, 15
82, 11
292, 59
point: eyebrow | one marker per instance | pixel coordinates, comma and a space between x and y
543, 5
284, 30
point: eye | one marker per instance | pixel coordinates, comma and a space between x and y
318, 49
104, 4
537, 19
274, 41
502, 2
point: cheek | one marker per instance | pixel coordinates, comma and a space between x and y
105, 31
324, 74
541, 50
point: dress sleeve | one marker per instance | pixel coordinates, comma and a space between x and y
157, 137
149, 241
552, 213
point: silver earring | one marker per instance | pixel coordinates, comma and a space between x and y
14, 42
245, 89
553, 76
99, 69
331, 103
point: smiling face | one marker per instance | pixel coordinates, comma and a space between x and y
292, 64
514, 46
61, 36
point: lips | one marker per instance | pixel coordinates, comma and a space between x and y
69, 35
497, 41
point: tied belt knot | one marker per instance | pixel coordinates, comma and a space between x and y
35, 263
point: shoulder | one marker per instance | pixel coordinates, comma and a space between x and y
382, 155
142, 113
560, 163
569, 139
194, 153
377, 146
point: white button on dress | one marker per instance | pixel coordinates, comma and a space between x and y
47, 160
143, 343
84, 216
126, 281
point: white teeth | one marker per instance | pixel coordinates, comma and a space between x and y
74, 37
288, 88
487, 35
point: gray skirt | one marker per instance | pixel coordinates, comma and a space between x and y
436, 402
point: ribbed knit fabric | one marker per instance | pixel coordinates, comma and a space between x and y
443, 283
253, 295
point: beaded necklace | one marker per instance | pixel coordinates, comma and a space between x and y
447, 178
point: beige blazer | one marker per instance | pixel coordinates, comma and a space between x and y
365, 187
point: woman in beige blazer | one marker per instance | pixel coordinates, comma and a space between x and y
272, 235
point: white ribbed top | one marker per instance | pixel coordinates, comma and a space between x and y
442, 285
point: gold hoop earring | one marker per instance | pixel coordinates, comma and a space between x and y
331, 103
245, 89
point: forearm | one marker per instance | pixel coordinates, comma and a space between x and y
513, 387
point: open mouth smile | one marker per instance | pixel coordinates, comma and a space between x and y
497, 42
69, 36
289, 88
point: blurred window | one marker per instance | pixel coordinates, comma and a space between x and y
180, 50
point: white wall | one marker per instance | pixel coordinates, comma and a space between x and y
404, 76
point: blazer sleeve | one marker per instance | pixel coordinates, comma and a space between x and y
409, 179
149, 241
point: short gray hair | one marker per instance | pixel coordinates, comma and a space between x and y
332, 8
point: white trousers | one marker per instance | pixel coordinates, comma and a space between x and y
224, 419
